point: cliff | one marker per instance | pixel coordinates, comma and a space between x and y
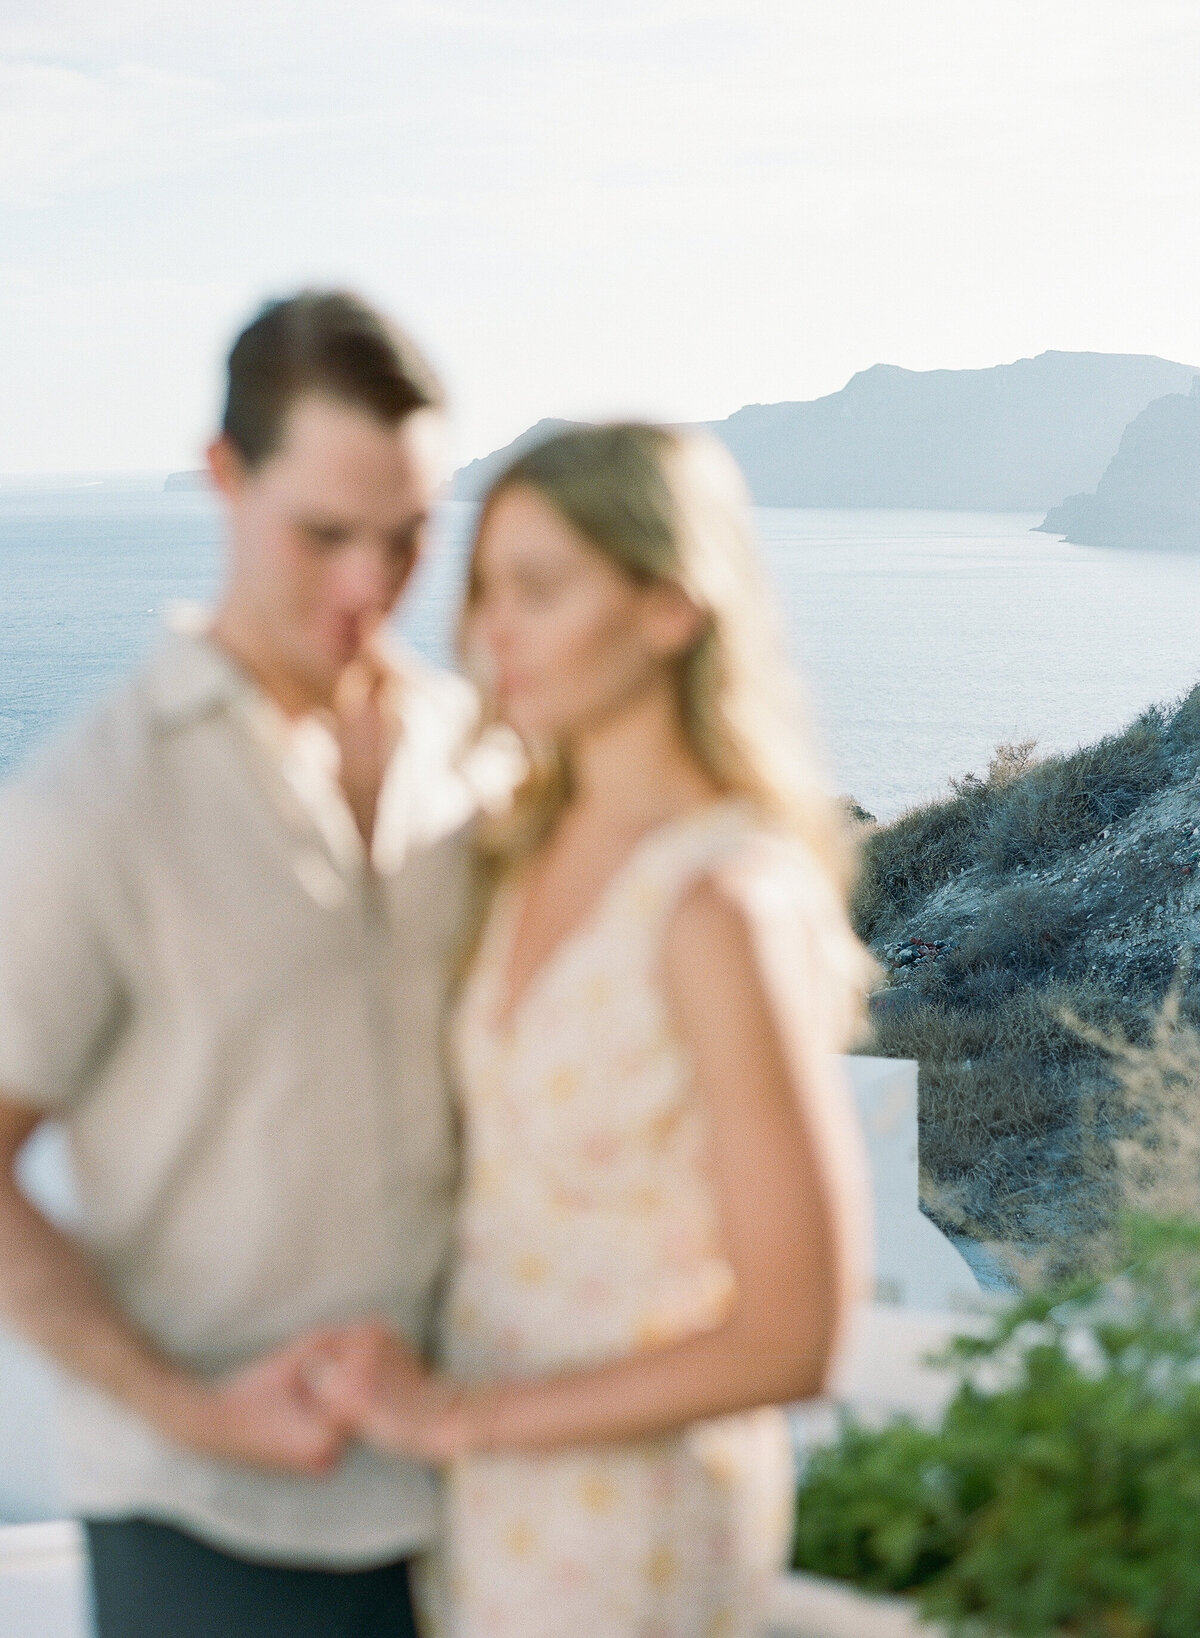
1150, 492
1045, 887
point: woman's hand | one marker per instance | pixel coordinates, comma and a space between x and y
379, 1390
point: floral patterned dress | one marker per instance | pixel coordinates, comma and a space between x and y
588, 1229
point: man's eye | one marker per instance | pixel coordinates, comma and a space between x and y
403, 547
324, 536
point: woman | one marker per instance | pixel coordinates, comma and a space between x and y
661, 1212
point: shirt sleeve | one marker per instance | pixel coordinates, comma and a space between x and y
61, 997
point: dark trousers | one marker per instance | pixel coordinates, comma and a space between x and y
152, 1581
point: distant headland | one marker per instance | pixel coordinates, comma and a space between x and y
1013, 438
1149, 494
197, 479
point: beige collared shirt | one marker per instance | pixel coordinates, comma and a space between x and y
239, 1023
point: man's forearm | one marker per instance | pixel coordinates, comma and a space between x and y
52, 1295
262, 1415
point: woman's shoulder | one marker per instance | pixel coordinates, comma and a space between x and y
727, 873
734, 851
764, 897
726, 850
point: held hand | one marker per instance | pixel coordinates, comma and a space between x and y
366, 724
382, 1391
265, 1415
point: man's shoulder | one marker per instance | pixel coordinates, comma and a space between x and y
103, 761
90, 767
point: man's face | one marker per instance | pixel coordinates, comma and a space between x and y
325, 536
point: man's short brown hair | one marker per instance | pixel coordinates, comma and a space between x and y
329, 342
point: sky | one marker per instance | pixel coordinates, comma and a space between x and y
582, 207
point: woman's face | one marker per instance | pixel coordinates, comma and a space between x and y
568, 638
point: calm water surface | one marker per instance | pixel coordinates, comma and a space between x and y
927, 637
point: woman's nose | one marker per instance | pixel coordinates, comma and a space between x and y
497, 630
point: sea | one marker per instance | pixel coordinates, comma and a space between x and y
925, 639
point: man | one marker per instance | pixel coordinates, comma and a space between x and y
221, 973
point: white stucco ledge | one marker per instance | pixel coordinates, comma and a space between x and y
806, 1606
42, 1586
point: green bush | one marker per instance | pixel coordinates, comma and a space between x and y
1060, 1494
871, 1510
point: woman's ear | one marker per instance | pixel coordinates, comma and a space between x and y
671, 622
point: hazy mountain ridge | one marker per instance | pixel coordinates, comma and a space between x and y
1015, 437
1149, 494
471, 482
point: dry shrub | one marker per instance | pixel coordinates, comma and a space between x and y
908, 859
1013, 1102
1026, 929
1066, 801
1158, 1156
967, 1109
1022, 813
1011, 1071
1184, 730
1019, 1110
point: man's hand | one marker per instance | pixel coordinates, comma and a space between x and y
265, 1415
366, 724
383, 1392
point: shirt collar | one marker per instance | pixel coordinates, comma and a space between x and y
190, 676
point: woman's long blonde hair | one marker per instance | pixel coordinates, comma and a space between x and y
669, 505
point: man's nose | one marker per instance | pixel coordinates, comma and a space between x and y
366, 578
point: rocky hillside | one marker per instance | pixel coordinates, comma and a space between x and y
1150, 492
1070, 884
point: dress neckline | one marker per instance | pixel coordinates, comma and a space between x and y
506, 1012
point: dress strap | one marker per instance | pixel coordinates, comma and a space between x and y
802, 937
680, 852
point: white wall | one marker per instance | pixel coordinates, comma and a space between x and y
915, 1265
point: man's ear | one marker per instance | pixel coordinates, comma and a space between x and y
226, 467
672, 622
